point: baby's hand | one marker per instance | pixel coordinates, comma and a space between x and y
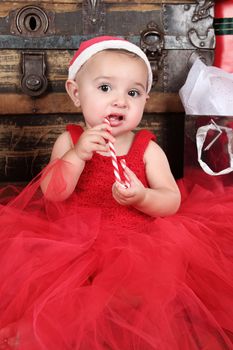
94, 140
133, 195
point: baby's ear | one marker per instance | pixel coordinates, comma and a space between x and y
73, 91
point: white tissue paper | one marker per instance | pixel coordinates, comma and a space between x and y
208, 90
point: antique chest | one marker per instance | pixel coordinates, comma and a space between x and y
37, 40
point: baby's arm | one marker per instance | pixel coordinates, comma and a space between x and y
67, 171
75, 156
163, 196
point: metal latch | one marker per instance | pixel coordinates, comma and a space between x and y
34, 81
152, 43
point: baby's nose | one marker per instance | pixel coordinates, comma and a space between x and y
120, 100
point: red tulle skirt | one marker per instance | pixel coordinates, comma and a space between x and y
71, 279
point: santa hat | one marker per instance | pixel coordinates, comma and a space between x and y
90, 47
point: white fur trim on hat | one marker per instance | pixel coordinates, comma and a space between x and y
104, 45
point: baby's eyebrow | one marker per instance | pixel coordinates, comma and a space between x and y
103, 77
139, 84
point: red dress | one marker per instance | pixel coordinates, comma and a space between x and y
89, 274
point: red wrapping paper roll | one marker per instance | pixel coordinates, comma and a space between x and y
223, 24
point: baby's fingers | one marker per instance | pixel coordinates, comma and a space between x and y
106, 136
122, 191
102, 126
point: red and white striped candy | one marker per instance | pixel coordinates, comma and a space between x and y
127, 180
115, 163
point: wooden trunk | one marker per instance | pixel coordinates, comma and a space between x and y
37, 39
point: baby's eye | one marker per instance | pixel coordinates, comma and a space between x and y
105, 87
134, 93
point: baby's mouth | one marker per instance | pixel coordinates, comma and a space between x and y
115, 119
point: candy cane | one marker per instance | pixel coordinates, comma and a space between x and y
115, 162
127, 180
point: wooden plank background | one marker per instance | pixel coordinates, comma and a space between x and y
26, 142
13, 100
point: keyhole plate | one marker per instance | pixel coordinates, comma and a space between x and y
31, 21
